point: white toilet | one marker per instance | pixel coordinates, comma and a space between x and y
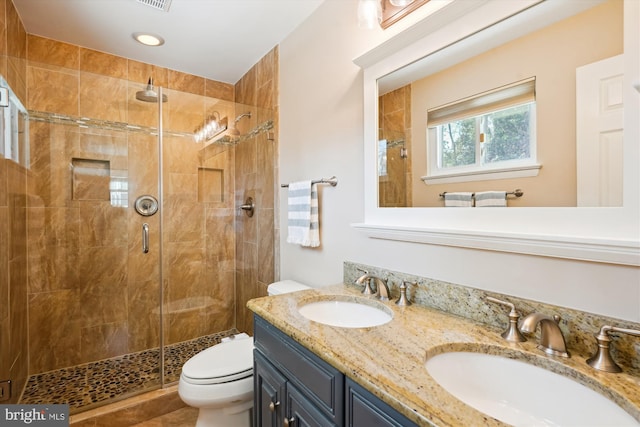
219, 380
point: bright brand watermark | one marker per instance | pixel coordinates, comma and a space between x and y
34, 415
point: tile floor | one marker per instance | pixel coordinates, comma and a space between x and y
92, 384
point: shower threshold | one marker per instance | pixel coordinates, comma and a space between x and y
93, 384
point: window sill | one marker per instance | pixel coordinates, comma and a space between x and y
484, 175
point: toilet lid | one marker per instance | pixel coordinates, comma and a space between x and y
224, 362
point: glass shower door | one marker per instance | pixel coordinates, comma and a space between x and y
94, 295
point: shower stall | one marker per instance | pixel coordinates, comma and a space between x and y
137, 252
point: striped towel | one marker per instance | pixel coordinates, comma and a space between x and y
462, 199
485, 199
303, 225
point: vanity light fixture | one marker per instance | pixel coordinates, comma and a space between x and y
369, 13
214, 125
148, 39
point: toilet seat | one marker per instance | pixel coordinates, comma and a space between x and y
222, 363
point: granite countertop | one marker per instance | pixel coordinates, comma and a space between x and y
389, 359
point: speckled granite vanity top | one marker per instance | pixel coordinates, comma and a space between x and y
389, 359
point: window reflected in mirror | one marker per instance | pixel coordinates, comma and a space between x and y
554, 172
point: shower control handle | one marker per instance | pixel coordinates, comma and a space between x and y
248, 207
145, 238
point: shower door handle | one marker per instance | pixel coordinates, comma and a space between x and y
145, 238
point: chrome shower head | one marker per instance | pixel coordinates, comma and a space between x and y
234, 130
149, 94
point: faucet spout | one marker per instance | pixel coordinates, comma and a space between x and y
551, 338
382, 289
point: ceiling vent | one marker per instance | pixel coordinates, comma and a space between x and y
157, 4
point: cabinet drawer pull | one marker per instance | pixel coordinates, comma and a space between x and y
289, 422
273, 406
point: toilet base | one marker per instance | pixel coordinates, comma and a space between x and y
221, 418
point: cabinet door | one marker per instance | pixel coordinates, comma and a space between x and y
301, 412
363, 409
269, 387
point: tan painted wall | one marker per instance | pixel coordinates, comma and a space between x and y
551, 55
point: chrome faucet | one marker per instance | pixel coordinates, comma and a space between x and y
512, 334
382, 290
551, 339
365, 280
403, 300
602, 360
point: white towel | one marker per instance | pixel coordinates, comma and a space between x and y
462, 199
303, 224
485, 199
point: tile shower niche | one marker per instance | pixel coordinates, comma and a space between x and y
90, 179
210, 185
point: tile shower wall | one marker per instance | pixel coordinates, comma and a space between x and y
82, 310
13, 219
256, 178
395, 127
41, 275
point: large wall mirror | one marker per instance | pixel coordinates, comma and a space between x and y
568, 61
444, 105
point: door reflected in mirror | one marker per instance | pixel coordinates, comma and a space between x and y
577, 66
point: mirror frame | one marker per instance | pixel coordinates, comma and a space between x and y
599, 234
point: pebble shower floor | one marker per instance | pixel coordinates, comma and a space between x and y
87, 386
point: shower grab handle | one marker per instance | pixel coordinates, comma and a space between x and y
145, 238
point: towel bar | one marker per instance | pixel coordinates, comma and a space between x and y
517, 192
333, 181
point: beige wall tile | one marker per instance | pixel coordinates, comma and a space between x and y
103, 98
54, 330
186, 82
220, 90
103, 63
185, 113
103, 285
3, 27
140, 72
185, 268
220, 234
3, 181
52, 52
15, 76
104, 340
16, 34
266, 246
143, 319
57, 91
53, 239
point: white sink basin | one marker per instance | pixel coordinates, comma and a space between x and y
353, 313
521, 394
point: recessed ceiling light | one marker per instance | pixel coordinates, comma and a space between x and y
148, 39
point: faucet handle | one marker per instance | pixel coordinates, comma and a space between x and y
404, 300
512, 334
365, 280
602, 360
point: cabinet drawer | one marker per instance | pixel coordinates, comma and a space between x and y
319, 381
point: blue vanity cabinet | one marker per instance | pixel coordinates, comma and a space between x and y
269, 387
363, 409
293, 387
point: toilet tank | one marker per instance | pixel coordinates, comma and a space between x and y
285, 286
